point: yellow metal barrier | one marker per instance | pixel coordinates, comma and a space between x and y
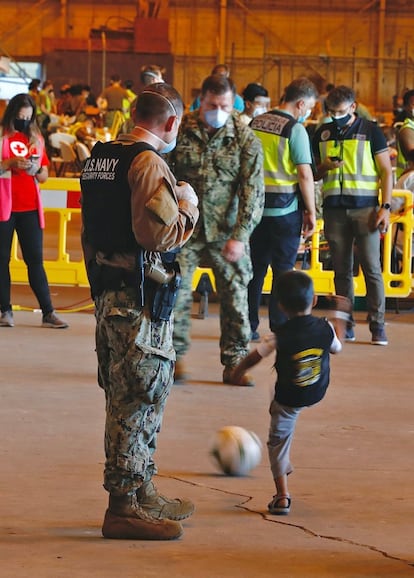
64, 263
63, 258
398, 280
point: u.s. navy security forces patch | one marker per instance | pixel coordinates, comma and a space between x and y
99, 169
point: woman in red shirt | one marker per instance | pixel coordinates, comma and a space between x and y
23, 165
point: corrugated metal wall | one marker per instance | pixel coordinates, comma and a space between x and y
367, 44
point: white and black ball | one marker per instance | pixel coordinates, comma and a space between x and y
235, 450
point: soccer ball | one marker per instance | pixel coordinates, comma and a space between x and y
235, 450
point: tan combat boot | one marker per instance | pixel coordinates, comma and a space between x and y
160, 507
126, 520
233, 377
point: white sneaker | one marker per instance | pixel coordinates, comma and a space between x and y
6, 319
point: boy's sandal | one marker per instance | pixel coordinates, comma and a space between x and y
275, 508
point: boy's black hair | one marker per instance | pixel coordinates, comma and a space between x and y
295, 291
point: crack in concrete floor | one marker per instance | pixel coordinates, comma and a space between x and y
283, 522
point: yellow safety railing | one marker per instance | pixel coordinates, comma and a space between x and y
63, 258
64, 263
314, 257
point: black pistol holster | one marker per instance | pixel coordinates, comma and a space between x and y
164, 295
157, 284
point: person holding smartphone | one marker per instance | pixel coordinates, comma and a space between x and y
352, 158
23, 166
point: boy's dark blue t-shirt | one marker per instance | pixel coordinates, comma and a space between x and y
302, 360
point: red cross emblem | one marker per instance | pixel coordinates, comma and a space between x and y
18, 148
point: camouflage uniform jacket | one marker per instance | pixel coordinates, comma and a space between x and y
226, 170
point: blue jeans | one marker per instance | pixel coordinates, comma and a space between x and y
30, 235
343, 228
275, 242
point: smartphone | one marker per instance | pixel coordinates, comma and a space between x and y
335, 158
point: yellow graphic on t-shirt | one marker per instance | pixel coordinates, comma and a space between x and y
307, 367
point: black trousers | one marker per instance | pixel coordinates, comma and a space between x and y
30, 236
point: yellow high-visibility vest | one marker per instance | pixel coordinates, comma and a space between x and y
402, 163
358, 176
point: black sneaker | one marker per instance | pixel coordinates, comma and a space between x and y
379, 336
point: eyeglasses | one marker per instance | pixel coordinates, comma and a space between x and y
340, 112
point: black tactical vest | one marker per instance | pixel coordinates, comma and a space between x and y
106, 197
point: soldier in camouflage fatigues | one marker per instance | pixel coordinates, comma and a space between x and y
136, 375
133, 213
222, 159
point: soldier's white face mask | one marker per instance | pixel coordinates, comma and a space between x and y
216, 118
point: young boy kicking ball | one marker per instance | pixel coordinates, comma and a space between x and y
303, 345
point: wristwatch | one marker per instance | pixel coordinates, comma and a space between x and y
386, 206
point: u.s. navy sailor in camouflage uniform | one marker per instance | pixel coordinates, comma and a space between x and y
133, 211
222, 159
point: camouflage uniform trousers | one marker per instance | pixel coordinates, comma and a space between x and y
135, 369
231, 283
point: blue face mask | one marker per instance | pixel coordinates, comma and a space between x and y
216, 118
305, 116
169, 147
